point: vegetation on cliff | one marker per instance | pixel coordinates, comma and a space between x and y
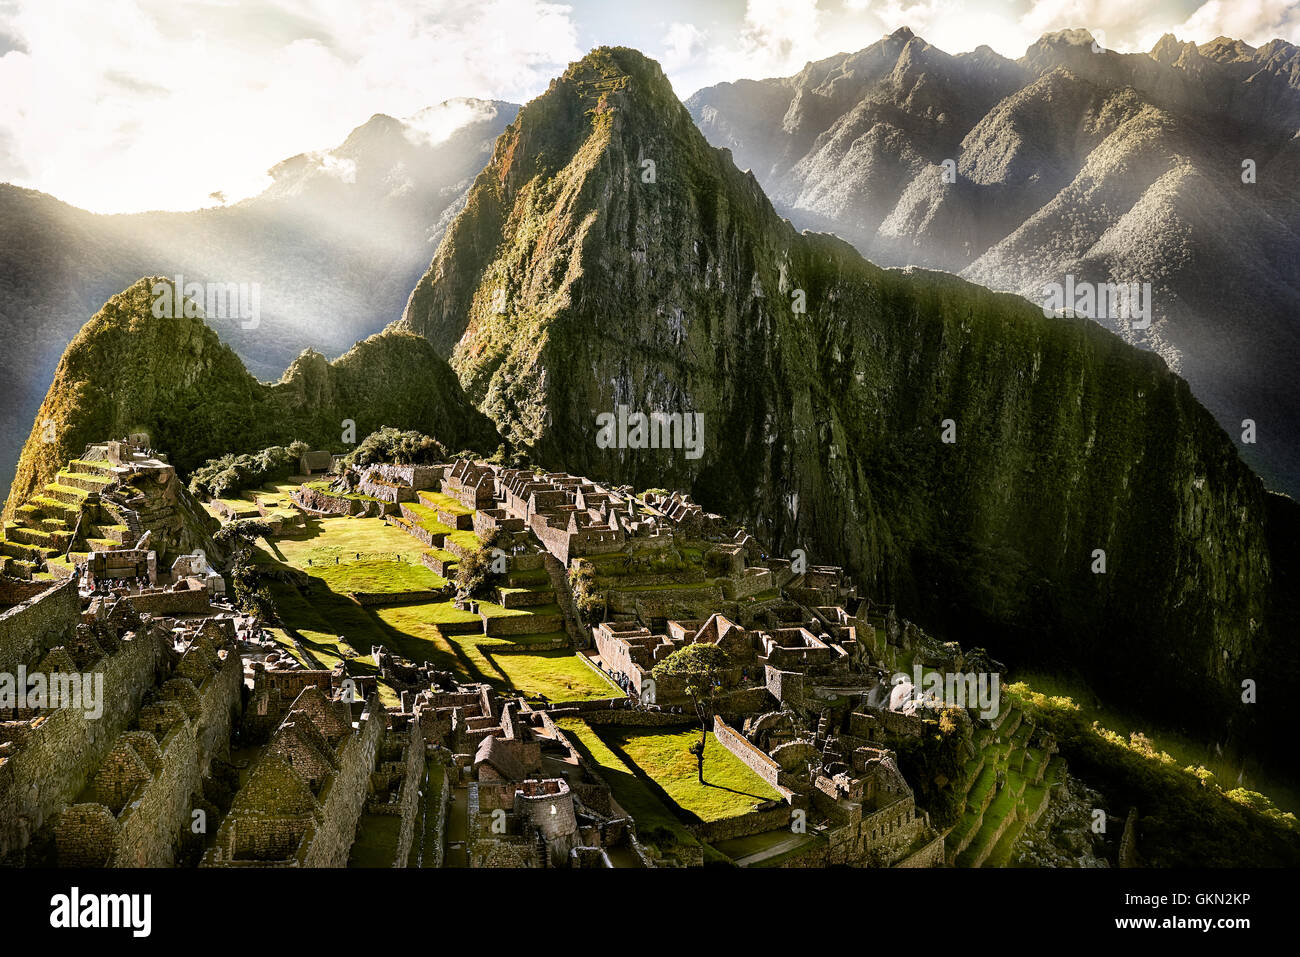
128, 371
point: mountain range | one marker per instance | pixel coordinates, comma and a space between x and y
966, 456
335, 243
1072, 160
1036, 485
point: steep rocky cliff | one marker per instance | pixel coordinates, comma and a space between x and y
1175, 168
128, 371
581, 277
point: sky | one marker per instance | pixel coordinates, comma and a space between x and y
127, 105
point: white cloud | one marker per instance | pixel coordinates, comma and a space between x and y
776, 38
1255, 21
435, 124
133, 104
339, 167
682, 44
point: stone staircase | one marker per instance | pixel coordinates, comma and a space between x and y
577, 632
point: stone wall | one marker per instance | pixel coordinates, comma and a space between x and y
754, 822
374, 599
505, 625
31, 628
151, 821
931, 855
750, 756
171, 603
55, 761
344, 798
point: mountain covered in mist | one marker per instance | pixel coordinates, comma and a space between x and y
335, 244
1070, 160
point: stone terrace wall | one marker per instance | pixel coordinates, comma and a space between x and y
55, 762
220, 699
345, 797
750, 756
30, 629
410, 792
754, 822
171, 603
503, 625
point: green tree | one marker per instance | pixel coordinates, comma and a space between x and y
476, 573
245, 578
402, 448
699, 667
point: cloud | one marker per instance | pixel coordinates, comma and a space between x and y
435, 124
119, 105
683, 43
1255, 21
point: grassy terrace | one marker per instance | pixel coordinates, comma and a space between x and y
559, 675
729, 789
438, 500
1186, 751
325, 487
427, 518
429, 631
377, 577
655, 823
331, 627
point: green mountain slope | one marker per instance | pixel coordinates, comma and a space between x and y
572, 284
128, 371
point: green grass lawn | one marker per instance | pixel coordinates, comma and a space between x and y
444, 502
729, 789
331, 626
414, 631
328, 538
465, 539
427, 518
655, 822
328, 549
377, 577
560, 675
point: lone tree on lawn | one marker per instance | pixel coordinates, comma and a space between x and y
699, 666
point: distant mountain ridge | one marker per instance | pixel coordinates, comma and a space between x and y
335, 242
1072, 160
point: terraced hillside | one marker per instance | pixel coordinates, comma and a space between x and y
93, 505
1008, 788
